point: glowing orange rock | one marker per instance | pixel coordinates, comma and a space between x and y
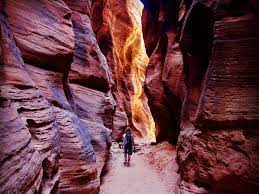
124, 21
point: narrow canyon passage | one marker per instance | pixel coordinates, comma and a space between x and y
75, 74
145, 174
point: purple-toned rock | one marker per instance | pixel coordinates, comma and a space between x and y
43, 32
29, 139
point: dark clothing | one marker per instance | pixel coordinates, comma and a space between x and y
128, 143
128, 149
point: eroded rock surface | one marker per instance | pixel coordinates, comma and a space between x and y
164, 82
17, 90
56, 87
220, 114
202, 72
127, 59
73, 76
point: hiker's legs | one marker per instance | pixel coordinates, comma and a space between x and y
125, 154
129, 156
125, 157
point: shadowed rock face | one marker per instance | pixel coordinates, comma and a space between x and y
224, 135
164, 84
203, 72
55, 32
56, 103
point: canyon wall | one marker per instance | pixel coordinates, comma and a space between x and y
119, 35
203, 78
75, 73
56, 103
70, 79
164, 82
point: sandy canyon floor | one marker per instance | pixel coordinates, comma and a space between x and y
153, 170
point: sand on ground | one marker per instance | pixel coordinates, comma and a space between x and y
144, 176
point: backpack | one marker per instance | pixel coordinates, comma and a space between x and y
128, 140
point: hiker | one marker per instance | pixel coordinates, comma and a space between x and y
128, 142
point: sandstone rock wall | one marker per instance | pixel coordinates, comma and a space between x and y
164, 82
18, 93
120, 37
56, 103
219, 137
72, 71
203, 76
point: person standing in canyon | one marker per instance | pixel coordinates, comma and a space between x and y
128, 142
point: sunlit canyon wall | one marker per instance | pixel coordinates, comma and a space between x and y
119, 35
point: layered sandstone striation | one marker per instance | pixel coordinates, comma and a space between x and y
219, 137
18, 92
203, 76
74, 74
56, 103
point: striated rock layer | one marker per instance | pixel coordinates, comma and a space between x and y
219, 126
73, 75
56, 103
203, 76
18, 93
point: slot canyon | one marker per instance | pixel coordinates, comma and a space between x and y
182, 74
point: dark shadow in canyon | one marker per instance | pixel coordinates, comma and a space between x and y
196, 40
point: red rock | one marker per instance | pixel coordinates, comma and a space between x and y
120, 122
130, 60
76, 148
78, 170
217, 144
61, 117
60, 97
28, 134
216, 107
164, 84
89, 67
82, 6
101, 141
103, 34
91, 104
236, 62
47, 23
154, 89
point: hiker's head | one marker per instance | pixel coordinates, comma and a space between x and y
128, 131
